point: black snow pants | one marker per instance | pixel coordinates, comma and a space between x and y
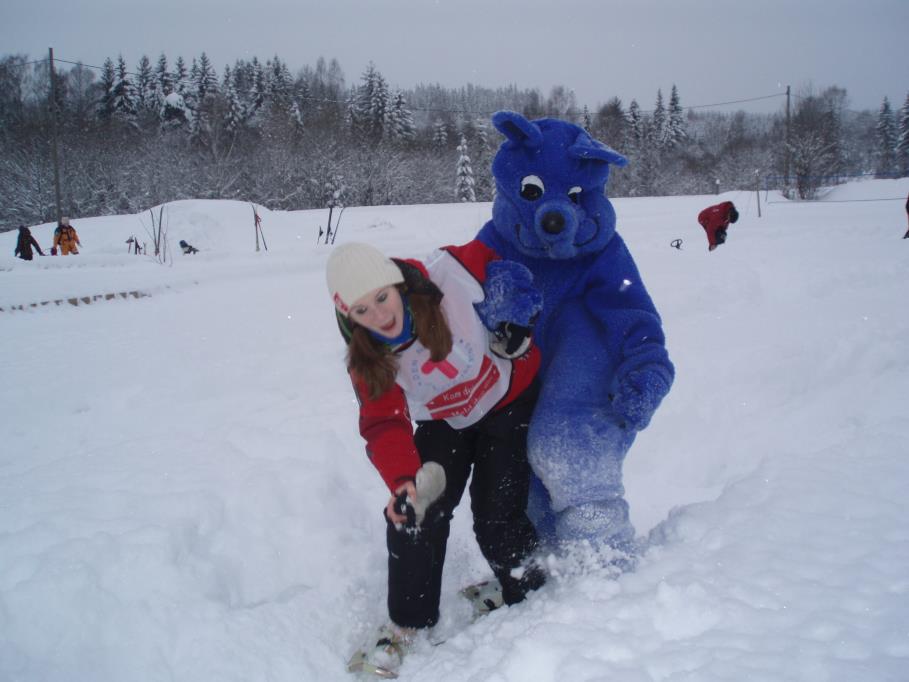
496, 448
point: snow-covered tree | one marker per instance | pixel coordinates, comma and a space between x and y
233, 114
675, 121
371, 105
257, 91
440, 135
145, 85
163, 78
464, 189
205, 80
902, 146
658, 121
611, 123
886, 139
123, 94
108, 80
586, 119
636, 122
278, 84
181, 77
400, 119
296, 117
813, 144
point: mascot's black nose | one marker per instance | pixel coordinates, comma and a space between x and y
553, 222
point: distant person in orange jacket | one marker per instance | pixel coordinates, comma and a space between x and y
65, 239
715, 220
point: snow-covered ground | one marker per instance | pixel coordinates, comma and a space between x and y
184, 495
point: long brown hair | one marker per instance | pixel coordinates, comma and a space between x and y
376, 364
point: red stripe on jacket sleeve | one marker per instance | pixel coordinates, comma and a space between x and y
385, 425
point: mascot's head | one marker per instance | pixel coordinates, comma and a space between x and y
551, 187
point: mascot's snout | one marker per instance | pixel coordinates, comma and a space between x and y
553, 222
556, 224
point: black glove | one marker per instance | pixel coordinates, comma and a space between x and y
512, 340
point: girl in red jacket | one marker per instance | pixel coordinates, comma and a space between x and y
715, 220
418, 352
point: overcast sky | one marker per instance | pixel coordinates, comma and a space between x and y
714, 50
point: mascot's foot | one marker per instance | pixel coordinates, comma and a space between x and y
604, 526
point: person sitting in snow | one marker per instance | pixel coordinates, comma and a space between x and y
187, 248
65, 239
418, 350
24, 244
715, 221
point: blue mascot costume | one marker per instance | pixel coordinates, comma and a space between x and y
605, 366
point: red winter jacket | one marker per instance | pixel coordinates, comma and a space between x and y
715, 218
385, 422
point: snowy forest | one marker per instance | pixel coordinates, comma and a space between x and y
132, 138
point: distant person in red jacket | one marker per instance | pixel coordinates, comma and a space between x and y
715, 220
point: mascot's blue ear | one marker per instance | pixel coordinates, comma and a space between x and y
585, 147
518, 130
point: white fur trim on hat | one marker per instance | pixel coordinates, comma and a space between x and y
354, 270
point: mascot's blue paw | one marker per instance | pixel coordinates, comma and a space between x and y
637, 397
510, 295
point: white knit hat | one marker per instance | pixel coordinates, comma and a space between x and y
354, 270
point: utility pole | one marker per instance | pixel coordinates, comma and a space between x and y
53, 113
786, 166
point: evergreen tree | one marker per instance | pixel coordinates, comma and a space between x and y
482, 134
612, 123
586, 121
464, 190
165, 81
145, 86
675, 123
636, 122
296, 117
234, 114
181, 77
902, 147
440, 135
658, 122
257, 91
886, 139
371, 105
278, 84
400, 119
205, 80
123, 94
108, 80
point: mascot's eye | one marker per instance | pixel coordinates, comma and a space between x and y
575, 194
531, 188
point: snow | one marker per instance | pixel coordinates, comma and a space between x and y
175, 100
184, 495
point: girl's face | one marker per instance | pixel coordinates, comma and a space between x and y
380, 311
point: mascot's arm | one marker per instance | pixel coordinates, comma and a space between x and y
643, 372
510, 297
